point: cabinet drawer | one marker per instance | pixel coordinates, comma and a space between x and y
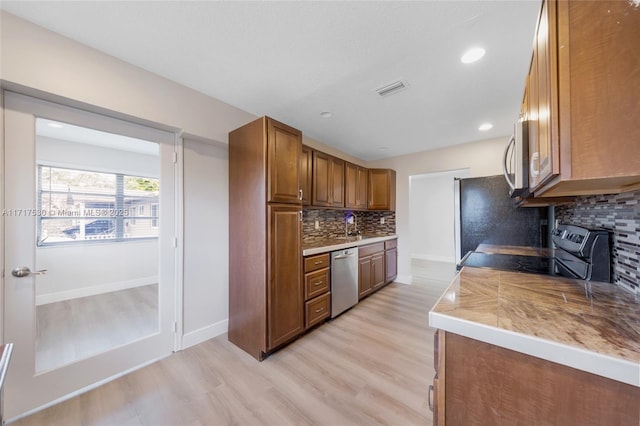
370, 249
390, 244
317, 310
316, 283
313, 263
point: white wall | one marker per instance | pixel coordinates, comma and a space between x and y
481, 158
206, 234
431, 215
44, 64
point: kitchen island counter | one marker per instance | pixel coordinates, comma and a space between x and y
589, 326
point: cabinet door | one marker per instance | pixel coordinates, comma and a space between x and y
285, 296
543, 152
283, 162
305, 175
355, 185
377, 270
362, 188
321, 173
336, 183
391, 264
382, 187
365, 277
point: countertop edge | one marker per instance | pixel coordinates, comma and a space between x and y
581, 359
348, 244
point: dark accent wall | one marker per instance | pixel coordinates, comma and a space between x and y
488, 215
332, 223
620, 214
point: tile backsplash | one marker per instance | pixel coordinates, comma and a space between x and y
620, 214
331, 223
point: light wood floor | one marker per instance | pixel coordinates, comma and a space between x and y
75, 329
371, 365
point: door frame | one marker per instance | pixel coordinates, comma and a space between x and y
177, 190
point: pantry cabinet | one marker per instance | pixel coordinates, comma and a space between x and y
266, 300
583, 99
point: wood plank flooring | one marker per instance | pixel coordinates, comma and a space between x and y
371, 365
75, 329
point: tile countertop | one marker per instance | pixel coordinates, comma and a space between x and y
594, 327
331, 244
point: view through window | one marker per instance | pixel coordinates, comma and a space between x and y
81, 205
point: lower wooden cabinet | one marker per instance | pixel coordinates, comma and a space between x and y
317, 283
477, 383
317, 310
391, 260
371, 271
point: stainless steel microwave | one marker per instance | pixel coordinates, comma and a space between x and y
516, 161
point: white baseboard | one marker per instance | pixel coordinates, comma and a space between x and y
205, 333
403, 279
43, 299
447, 259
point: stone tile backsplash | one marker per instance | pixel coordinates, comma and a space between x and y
331, 223
620, 214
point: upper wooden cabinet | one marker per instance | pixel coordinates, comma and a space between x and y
328, 180
356, 180
382, 189
584, 86
306, 167
285, 149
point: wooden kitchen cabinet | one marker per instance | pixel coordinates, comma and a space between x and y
266, 300
477, 383
306, 168
317, 286
356, 187
583, 99
382, 189
328, 180
391, 260
371, 271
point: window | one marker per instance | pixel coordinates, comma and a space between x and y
81, 205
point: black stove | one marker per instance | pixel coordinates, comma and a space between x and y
578, 252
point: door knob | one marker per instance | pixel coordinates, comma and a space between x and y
24, 271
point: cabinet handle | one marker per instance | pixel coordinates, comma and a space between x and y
318, 262
318, 283
430, 398
322, 309
300, 192
300, 213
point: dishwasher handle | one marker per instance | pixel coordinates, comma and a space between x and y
344, 256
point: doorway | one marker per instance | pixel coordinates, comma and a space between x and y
90, 224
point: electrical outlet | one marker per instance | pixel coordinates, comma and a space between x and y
317, 225
382, 221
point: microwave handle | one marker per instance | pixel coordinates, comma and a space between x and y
505, 170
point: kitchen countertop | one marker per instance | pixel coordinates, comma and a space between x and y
331, 244
515, 250
590, 326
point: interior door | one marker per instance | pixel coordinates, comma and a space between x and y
90, 225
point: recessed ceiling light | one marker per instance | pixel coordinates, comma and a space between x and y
326, 114
486, 126
472, 55
55, 125
384, 148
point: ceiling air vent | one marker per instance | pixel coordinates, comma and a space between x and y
391, 88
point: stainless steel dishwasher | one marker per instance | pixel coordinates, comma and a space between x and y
344, 280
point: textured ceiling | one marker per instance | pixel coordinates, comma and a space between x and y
294, 60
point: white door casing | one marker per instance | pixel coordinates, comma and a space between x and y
25, 389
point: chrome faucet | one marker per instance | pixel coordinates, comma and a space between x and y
355, 231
